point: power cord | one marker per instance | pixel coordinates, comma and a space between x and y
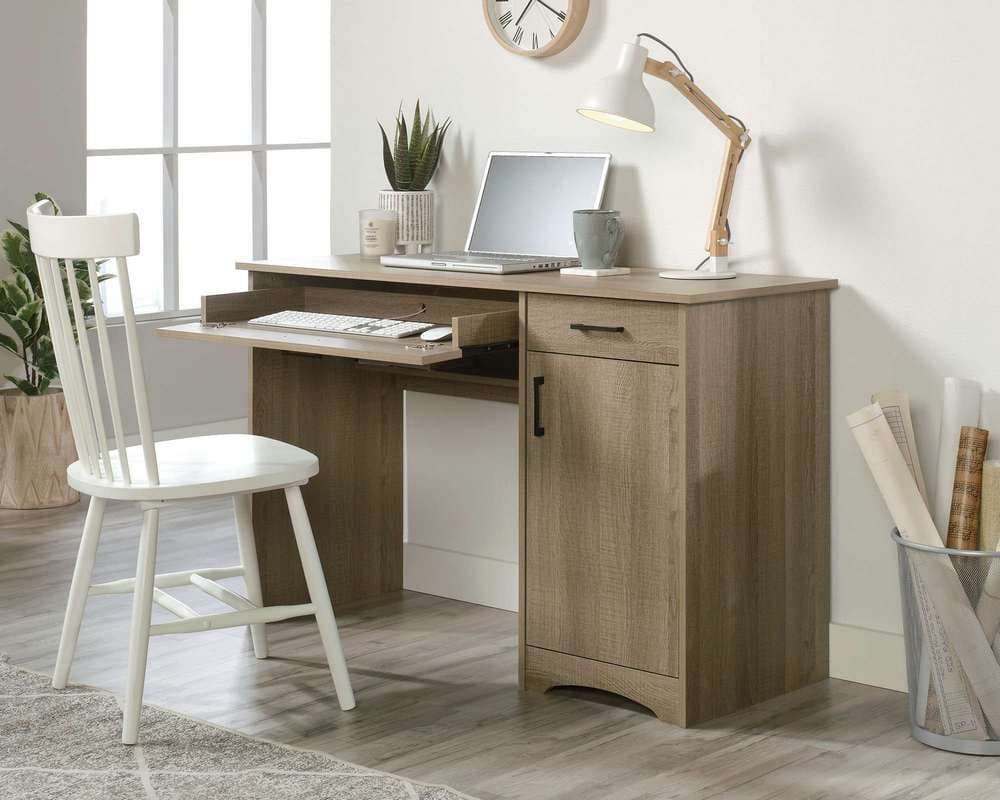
423, 309
658, 40
687, 72
729, 237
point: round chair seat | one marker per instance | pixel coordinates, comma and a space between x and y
202, 466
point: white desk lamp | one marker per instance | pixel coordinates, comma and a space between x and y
621, 99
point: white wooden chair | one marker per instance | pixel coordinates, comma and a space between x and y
155, 474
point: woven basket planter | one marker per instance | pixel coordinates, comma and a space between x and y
36, 446
416, 218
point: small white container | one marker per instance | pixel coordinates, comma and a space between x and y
378, 229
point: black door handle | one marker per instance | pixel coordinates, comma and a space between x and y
583, 326
538, 380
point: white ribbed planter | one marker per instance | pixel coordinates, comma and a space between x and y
416, 218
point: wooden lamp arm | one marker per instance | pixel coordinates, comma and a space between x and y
717, 243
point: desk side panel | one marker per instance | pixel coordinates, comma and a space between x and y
352, 419
522, 477
758, 516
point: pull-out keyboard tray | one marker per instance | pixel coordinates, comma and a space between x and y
476, 323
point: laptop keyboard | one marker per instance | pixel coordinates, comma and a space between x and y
488, 258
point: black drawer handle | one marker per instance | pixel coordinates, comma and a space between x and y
538, 381
583, 326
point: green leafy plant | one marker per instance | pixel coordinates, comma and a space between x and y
412, 159
22, 310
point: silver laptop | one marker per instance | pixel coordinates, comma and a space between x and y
523, 220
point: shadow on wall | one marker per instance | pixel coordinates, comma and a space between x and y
462, 174
624, 194
768, 154
876, 356
590, 36
871, 354
844, 194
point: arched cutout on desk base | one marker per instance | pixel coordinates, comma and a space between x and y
661, 694
599, 697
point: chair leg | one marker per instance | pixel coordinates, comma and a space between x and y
78, 591
243, 508
320, 597
138, 638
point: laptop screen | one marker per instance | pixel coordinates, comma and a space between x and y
527, 201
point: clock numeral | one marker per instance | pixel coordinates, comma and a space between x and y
561, 15
518, 35
506, 19
551, 34
534, 41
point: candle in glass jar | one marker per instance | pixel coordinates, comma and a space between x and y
378, 232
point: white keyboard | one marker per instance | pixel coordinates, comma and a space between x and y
338, 323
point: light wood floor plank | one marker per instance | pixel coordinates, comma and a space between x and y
437, 692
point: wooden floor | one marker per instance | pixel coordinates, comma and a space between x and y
437, 696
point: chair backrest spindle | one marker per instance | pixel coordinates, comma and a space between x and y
55, 238
108, 368
52, 288
138, 376
89, 375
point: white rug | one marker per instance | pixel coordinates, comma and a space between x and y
66, 744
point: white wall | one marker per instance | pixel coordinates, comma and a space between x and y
42, 148
190, 384
41, 140
872, 162
461, 499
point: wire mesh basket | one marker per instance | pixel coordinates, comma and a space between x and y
943, 710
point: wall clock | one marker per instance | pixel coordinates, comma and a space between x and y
536, 28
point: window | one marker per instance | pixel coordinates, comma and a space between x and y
211, 120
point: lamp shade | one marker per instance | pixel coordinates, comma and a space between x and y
621, 99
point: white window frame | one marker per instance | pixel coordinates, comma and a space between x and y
258, 147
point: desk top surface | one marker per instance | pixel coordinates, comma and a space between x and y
642, 284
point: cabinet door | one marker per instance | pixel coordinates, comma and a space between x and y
603, 510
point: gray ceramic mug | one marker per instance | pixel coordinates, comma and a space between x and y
598, 236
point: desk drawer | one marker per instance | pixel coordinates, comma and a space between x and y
586, 326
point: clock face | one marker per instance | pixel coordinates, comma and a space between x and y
536, 27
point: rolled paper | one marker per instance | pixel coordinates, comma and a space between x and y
989, 516
989, 418
959, 406
988, 608
967, 493
949, 623
896, 407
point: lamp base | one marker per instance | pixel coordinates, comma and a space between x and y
716, 269
595, 273
695, 275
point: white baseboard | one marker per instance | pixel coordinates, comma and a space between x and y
460, 576
862, 655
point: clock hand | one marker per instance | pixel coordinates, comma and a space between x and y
530, 3
559, 14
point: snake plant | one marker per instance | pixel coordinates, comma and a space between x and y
22, 310
411, 160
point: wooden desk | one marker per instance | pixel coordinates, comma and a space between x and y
674, 461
